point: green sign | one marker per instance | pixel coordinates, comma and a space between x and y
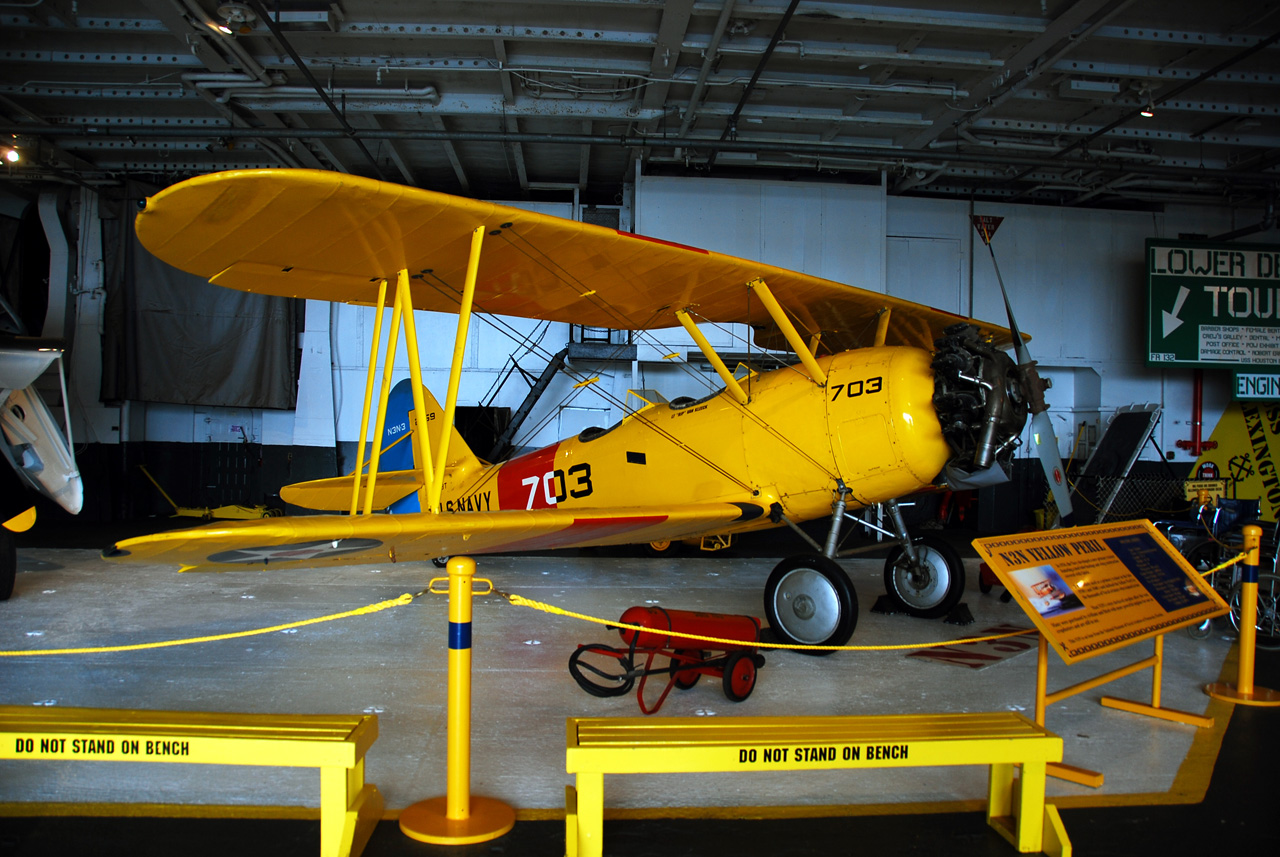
1256, 386
1213, 305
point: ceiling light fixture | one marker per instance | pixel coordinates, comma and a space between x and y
10, 154
1150, 110
237, 18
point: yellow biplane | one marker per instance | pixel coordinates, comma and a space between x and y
888, 397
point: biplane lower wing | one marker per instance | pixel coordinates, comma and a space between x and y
314, 540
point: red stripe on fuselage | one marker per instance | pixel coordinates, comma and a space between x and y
514, 486
582, 531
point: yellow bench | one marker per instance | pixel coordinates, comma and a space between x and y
633, 745
336, 744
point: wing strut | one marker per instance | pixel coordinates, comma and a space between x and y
882, 326
423, 436
455, 370
368, 396
380, 423
730, 383
788, 329
401, 315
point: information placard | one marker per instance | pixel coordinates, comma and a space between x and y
1093, 589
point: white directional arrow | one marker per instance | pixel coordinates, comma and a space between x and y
1170, 319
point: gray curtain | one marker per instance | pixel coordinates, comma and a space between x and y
173, 337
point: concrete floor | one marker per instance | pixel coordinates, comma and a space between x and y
393, 663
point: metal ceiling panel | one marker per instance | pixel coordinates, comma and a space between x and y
998, 99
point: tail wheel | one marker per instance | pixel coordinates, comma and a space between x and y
931, 587
739, 675
662, 547
809, 600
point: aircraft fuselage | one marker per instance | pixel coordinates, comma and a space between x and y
873, 425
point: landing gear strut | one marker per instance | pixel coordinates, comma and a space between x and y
809, 600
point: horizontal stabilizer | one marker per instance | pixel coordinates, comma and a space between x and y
334, 494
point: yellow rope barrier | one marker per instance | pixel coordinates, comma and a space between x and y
1235, 559
521, 601
516, 600
360, 611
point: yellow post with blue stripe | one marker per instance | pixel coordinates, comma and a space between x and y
458, 818
1243, 691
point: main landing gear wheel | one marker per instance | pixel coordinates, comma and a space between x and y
931, 588
810, 601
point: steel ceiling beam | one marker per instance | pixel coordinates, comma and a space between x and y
884, 155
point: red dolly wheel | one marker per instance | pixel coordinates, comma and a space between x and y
739, 675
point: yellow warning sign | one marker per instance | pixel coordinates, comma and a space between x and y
1092, 589
1215, 488
1248, 443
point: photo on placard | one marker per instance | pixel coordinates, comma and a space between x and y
1045, 590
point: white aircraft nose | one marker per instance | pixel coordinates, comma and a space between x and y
71, 497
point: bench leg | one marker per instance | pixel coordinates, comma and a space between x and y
1030, 811
590, 814
999, 792
570, 822
350, 809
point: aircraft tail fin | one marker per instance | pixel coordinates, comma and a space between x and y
399, 467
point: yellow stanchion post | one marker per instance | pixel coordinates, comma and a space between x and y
458, 818
1243, 691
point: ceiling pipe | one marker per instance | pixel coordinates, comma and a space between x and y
1268, 220
992, 143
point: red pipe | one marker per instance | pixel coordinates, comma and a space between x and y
1195, 445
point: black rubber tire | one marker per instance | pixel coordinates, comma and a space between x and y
827, 621
687, 678
8, 563
739, 676
931, 596
440, 561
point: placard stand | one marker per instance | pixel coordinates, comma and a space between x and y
1083, 776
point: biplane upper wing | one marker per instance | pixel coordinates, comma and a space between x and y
331, 236
315, 540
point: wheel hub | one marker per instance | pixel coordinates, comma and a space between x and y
809, 607
803, 607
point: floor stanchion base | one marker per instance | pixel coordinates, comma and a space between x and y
1260, 696
426, 821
